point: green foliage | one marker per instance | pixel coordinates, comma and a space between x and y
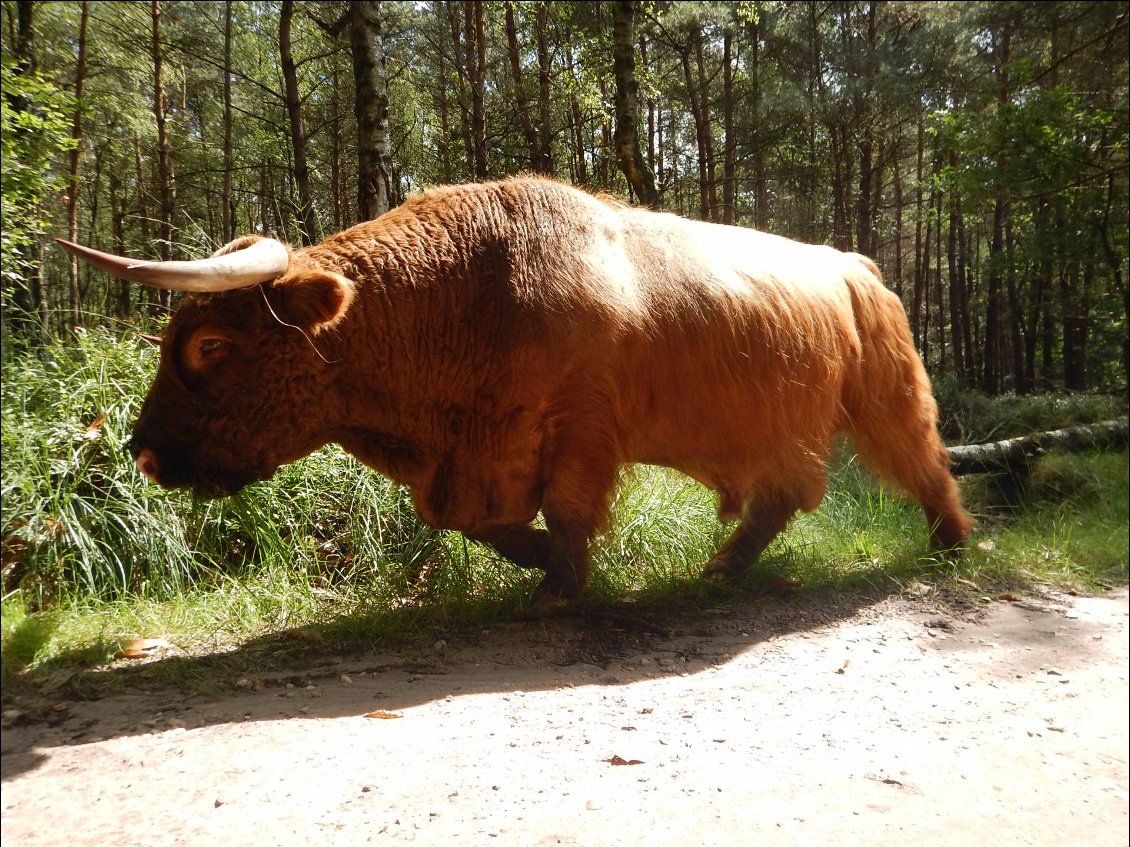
825, 106
1046, 129
35, 130
970, 417
74, 516
1073, 528
665, 529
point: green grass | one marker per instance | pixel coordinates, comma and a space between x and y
328, 555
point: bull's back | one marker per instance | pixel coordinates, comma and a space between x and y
749, 342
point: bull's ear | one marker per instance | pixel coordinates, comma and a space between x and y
314, 300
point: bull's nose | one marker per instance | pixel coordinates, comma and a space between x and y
147, 464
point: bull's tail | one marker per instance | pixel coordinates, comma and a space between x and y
892, 416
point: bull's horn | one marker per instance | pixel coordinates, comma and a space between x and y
261, 261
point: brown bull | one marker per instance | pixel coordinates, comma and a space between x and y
504, 348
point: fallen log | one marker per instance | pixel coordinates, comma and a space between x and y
1015, 455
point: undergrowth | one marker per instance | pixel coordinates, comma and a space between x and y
92, 555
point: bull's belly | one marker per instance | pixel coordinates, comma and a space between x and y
744, 447
466, 494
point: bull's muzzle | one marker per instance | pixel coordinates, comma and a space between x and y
145, 460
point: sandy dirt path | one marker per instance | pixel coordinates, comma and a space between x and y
772, 723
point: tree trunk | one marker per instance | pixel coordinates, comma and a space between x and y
95, 188
877, 198
1014, 455
708, 131
581, 165
757, 146
628, 153
545, 132
651, 123
1073, 297
702, 132
865, 117
939, 300
521, 104
443, 143
76, 157
308, 230
605, 150
729, 145
227, 200
374, 162
475, 39
841, 227
266, 216
118, 211
896, 184
165, 174
26, 292
143, 214
956, 281
990, 383
337, 151
919, 253
25, 42
1041, 286
814, 89
461, 51
964, 312
1015, 317
1114, 262
699, 98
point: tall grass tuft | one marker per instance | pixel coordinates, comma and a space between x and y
80, 522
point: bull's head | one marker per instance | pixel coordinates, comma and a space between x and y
241, 388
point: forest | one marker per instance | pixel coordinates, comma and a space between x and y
978, 151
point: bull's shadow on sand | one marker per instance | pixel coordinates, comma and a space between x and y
309, 674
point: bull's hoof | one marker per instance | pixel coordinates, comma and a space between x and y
544, 606
555, 590
722, 569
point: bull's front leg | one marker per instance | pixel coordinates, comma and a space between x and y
575, 509
579, 473
524, 545
561, 551
567, 560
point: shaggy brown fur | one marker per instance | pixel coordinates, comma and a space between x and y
504, 348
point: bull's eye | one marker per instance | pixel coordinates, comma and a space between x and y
209, 347
204, 351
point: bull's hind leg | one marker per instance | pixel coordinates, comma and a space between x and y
760, 524
766, 514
